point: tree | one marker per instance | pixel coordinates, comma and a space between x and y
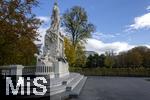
101, 60
69, 52
121, 60
76, 25
75, 22
75, 57
95, 60
134, 59
89, 61
109, 60
18, 32
146, 59
80, 56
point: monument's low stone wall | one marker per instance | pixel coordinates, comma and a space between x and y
29, 70
25, 70
11, 70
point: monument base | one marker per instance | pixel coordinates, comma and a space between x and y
68, 85
61, 69
52, 75
56, 70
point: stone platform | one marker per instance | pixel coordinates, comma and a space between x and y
70, 85
64, 87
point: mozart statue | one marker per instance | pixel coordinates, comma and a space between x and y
53, 51
55, 18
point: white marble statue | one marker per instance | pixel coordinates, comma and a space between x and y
53, 51
55, 18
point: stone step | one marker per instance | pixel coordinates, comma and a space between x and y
70, 95
62, 88
63, 81
76, 91
70, 85
73, 83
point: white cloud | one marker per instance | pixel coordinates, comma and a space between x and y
142, 22
148, 8
44, 18
43, 28
101, 47
98, 35
105, 36
42, 32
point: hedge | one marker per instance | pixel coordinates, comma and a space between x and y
135, 72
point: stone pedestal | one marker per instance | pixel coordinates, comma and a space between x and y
61, 69
52, 75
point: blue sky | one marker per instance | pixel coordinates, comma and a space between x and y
120, 24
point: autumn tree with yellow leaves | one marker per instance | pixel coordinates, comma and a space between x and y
18, 31
78, 29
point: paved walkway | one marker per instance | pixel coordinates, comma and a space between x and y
115, 88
